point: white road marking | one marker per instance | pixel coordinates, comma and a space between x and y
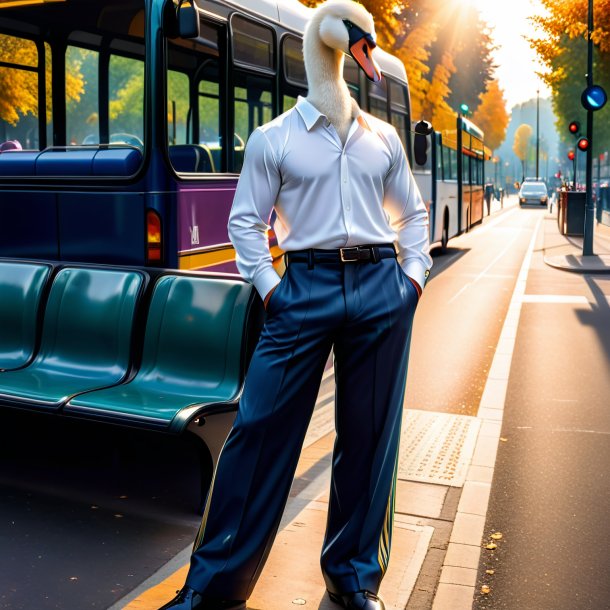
555, 298
484, 272
580, 431
495, 221
491, 411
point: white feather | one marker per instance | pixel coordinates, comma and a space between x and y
325, 44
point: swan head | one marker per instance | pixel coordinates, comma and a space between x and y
346, 26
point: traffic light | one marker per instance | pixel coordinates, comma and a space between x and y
571, 155
593, 98
583, 144
464, 108
574, 127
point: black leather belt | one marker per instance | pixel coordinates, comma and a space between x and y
354, 254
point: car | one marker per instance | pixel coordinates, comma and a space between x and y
533, 193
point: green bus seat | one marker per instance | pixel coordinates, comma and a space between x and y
86, 338
21, 289
193, 357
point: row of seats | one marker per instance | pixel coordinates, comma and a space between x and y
112, 161
123, 345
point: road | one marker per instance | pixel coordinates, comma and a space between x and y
88, 513
551, 489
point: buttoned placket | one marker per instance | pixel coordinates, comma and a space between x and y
346, 192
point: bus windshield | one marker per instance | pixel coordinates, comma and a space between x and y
82, 86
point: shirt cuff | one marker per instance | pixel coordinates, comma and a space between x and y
416, 271
265, 281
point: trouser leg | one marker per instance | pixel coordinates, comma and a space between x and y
258, 461
371, 355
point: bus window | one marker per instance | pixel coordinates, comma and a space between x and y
288, 102
126, 100
82, 112
48, 95
253, 44
466, 169
351, 74
295, 79
209, 120
378, 99
446, 154
398, 110
19, 86
253, 107
439, 157
294, 67
177, 107
194, 103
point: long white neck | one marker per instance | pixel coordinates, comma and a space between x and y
328, 91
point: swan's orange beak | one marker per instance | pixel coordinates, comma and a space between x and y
362, 52
361, 47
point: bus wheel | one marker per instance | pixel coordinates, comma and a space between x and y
445, 234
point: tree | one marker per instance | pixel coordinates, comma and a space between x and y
562, 48
436, 108
463, 34
521, 144
19, 86
491, 115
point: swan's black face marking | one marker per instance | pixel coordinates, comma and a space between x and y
361, 46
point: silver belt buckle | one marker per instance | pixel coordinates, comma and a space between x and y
342, 252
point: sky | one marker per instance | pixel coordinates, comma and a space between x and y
517, 62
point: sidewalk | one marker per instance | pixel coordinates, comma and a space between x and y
565, 252
444, 479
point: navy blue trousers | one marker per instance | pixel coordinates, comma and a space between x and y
365, 311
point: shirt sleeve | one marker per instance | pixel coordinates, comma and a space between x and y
408, 216
255, 196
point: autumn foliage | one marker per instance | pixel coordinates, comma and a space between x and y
491, 115
19, 84
446, 50
562, 47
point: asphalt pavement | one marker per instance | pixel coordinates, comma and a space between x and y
509, 358
551, 486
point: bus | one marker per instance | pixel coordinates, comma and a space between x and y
452, 180
125, 139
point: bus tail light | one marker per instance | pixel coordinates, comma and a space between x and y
154, 241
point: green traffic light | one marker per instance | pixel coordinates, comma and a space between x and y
464, 108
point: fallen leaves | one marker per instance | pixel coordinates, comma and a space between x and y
496, 536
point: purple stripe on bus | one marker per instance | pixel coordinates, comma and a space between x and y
203, 213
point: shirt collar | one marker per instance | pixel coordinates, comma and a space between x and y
311, 115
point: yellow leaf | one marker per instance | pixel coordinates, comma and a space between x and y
496, 536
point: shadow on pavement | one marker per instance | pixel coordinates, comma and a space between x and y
89, 511
598, 317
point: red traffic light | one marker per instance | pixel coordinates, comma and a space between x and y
571, 155
574, 127
583, 144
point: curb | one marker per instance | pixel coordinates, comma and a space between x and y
577, 263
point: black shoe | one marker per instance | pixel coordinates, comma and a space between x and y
189, 599
358, 600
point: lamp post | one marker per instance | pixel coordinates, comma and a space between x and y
537, 132
587, 242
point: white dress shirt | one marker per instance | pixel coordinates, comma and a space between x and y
325, 194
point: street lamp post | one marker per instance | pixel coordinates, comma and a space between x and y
587, 244
537, 131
